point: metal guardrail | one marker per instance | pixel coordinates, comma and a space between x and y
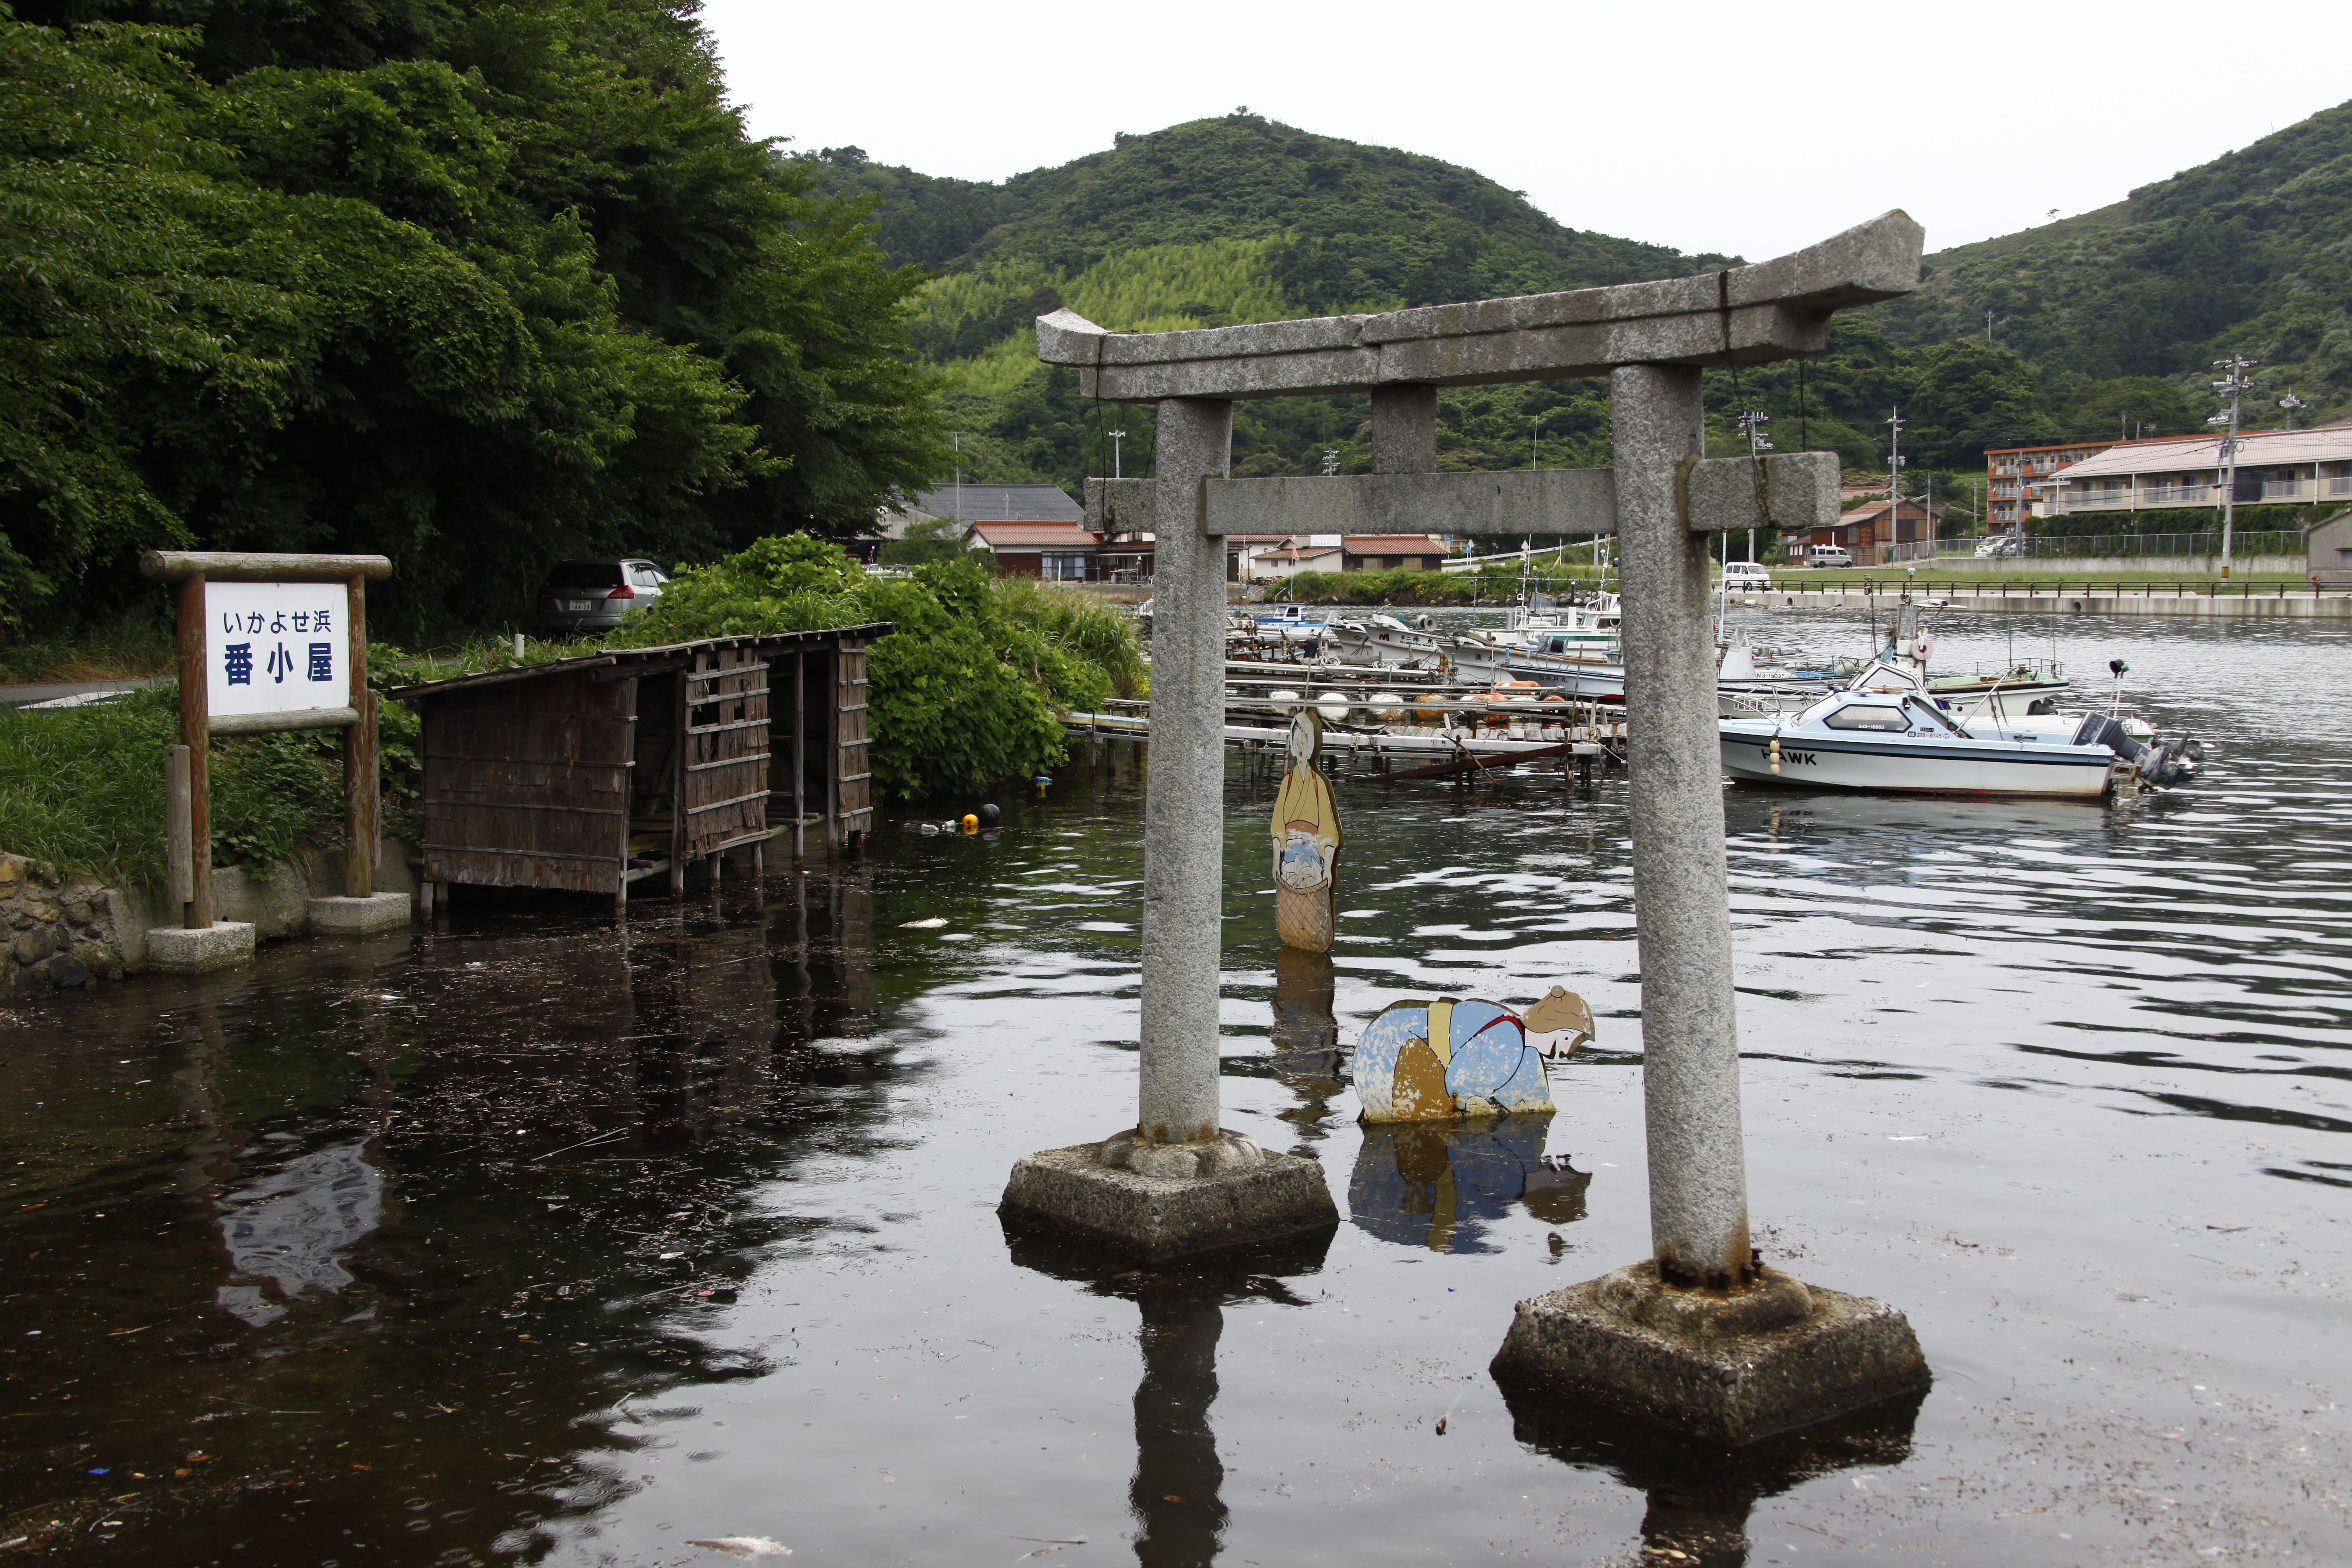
2081, 588
2243, 542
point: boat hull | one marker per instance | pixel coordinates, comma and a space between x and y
1815, 762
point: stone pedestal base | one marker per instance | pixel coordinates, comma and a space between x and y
1152, 1201
176, 949
1727, 1367
370, 916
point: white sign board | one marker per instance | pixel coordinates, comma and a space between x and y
276, 648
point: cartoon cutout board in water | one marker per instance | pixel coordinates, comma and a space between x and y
1306, 829
1432, 1061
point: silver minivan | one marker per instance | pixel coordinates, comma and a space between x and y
1828, 555
597, 596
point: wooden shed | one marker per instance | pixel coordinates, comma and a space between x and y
591, 775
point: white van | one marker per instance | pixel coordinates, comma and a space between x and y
1828, 555
1739, 575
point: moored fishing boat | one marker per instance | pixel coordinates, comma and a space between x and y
1898, 740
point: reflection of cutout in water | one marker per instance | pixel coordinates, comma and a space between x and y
1307, 1039
1421, 1184
1700, 1496
289, 1228
1304, 987
1177, 1491
1431, 1061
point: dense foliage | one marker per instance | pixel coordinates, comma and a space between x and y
1232, 219
966, 692
472, 283
2249, 254
2105, 324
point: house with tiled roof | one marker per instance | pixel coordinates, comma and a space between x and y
1057, 551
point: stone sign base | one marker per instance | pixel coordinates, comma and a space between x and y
370, 916
176, 949
1727, 1367
1152, 1202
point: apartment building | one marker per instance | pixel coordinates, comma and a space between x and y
2274, 467
2020, 481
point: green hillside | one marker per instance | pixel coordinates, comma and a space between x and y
1217, 221
2103, 323
2249, 254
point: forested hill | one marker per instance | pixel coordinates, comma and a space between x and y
1232, 219
2249, 254
2102, 322
1358, 225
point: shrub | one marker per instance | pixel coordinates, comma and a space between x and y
970, 687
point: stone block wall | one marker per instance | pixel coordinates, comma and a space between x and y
59, 930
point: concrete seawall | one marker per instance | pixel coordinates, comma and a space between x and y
2087, 598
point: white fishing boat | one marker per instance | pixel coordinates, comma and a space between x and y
1898, 741
1388, 642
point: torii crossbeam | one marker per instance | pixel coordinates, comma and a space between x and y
1177, 1182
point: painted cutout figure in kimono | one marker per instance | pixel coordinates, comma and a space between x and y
1433, 1061
1305, 843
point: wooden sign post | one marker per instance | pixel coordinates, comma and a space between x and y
268, 643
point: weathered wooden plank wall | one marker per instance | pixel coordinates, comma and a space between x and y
530, 797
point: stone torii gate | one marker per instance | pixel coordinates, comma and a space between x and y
1176, 1181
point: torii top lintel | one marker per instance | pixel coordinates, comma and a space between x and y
1741, 315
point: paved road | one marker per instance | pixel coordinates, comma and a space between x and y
50, 691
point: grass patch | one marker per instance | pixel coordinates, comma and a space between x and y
83, 788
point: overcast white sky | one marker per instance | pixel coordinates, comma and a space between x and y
1752, 129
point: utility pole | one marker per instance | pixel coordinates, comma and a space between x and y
1331, 460
2234, 384
2290, 403
1116, 438
955, 438
1751, 423
1987, 328
1895, 422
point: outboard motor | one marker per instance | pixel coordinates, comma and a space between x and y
2098, 730
2172, 764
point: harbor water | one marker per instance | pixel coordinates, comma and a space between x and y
534, 1241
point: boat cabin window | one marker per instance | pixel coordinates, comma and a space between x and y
1926, 715
1870, 716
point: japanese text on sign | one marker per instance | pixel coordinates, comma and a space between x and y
276, 648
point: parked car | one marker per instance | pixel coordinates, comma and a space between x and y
597, 596
1746, 574
1828, 555
2001, 546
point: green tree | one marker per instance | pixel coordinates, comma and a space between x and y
475, 285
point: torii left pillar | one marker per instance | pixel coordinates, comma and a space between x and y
1176, 1181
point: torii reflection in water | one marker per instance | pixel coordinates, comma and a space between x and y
1701, 1495
1176, 1492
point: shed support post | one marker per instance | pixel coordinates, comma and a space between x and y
677, 777
833, 834
799, 754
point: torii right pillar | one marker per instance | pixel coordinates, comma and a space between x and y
1701, 1337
